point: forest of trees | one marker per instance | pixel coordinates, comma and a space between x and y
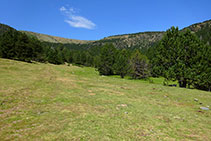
123, 62
18, 46
182, 57
179, 56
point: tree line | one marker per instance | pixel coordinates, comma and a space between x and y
179, 56
18, 46
123, 62
107, 59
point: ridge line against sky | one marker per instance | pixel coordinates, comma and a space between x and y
93, 20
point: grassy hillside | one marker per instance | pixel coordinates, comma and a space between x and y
49, 102
54, 39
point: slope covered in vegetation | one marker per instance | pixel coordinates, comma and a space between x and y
59, 102
141, 40
5, 28
54, 39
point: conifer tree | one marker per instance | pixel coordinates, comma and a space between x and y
77, 58
139, 66
179, 56
107, 60
89, 59
121, 65
7, 44
83, 57
202, 71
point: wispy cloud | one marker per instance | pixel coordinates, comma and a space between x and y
62, 9
75, 20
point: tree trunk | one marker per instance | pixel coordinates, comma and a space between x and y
182, 83
122, 76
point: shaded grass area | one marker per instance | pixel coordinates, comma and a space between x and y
51, 102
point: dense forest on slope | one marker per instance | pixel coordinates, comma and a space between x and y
18, 46
4, 28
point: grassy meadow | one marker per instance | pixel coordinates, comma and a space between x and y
60, 102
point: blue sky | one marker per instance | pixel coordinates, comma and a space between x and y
96, 19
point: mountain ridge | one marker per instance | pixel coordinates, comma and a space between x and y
54, 39
141, 40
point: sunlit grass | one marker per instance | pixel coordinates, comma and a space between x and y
58, 102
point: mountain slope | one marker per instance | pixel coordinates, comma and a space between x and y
198, 26
137, 40
4, 28
54, 39
202, 30
142, 40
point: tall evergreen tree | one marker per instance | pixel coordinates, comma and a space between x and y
83, 57
67, 55
139, 66
54, 57
89, 59
7, 44
77, 57
121, 65
96, 61
202, 71
107, 60
179, 56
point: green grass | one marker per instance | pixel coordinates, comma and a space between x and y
58, 102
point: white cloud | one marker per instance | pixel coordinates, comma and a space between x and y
63, 9
80, 22
76, 20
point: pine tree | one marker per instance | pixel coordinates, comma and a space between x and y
107, 60
202, 71
54, 57
139, 66
7, 44
179, 57
83, 58
60, 57
96, 61
67, 55
77, 58
121, 65
89, 59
